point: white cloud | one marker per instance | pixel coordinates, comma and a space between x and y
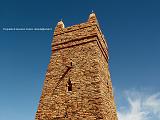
153, 104
141, 106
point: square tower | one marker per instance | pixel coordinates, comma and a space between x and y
77, 85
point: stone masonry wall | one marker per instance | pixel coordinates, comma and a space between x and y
79, 55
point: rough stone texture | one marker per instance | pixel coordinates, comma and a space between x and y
79, 54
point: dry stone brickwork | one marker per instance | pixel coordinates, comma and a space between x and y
77, 85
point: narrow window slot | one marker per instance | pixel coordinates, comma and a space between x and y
69, 85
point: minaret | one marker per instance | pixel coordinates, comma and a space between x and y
77, 85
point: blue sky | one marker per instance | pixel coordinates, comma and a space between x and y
132, 29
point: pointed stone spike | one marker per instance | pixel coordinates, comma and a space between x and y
60, 23
59, 27
92, 17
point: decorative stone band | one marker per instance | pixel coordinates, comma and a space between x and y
77, 27
80, 41
73, 28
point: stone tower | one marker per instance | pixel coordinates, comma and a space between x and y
77, 85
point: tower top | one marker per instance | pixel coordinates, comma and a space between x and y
85, 30
60, 27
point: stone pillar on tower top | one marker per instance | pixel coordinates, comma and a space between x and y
59, 27
92, 18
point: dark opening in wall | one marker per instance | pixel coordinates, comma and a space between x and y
69, 85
